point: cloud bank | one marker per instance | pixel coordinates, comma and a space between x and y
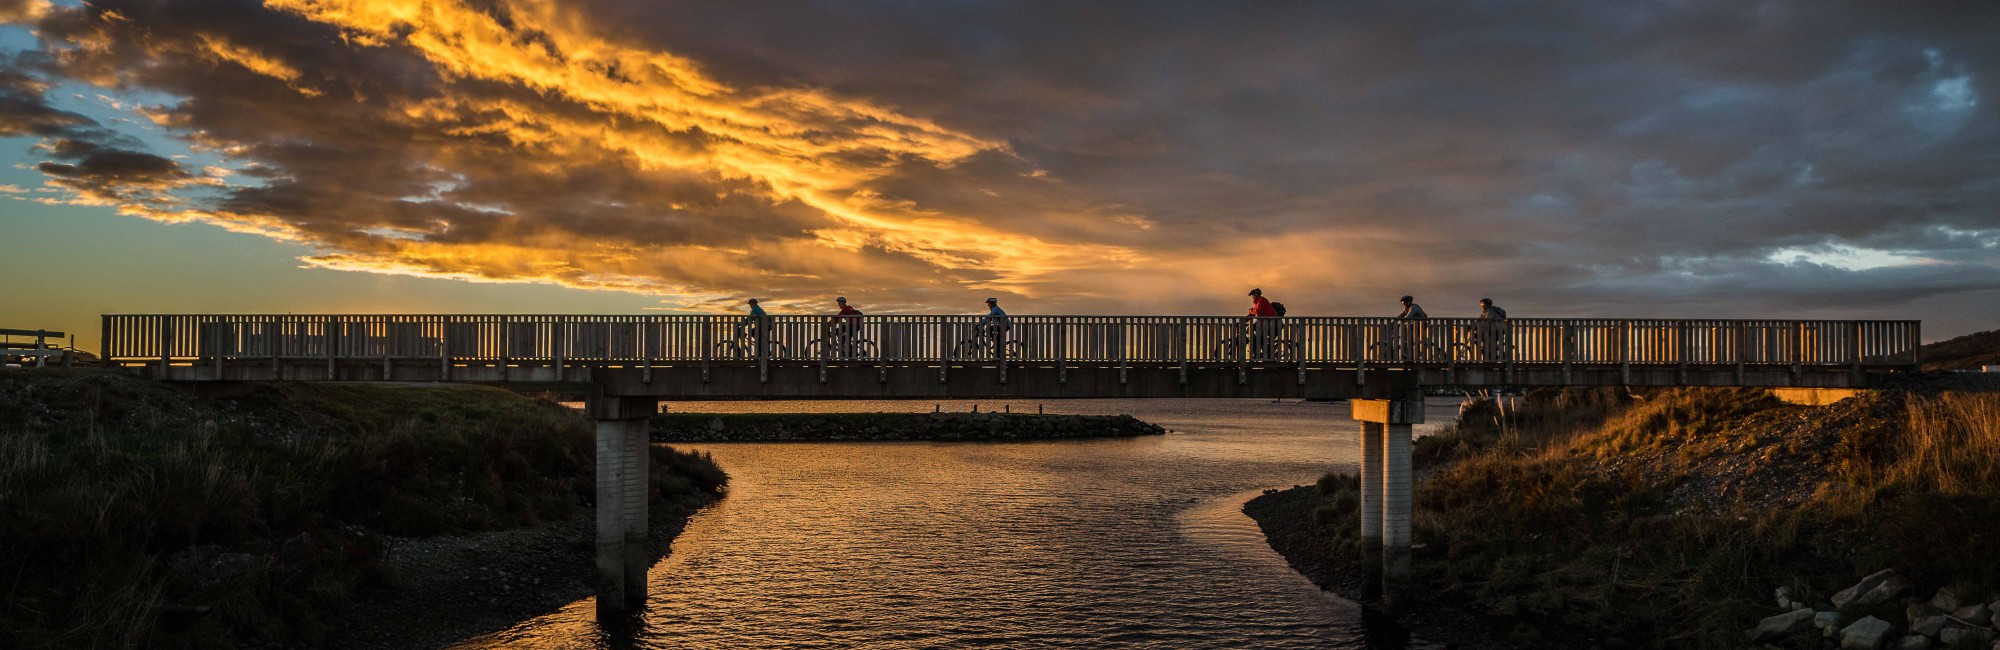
1682, 158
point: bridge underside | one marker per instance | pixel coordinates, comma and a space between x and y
838, 380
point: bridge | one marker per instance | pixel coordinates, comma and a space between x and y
630, 363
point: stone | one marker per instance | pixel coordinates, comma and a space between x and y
1780, 626
1865, 634
1826, 619
1975, 614
1930, 625
1847, 596
1957, 637
1914, 642
1784, 595
1888, 590
1946, 599
1799, 605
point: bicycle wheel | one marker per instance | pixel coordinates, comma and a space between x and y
866, 349
1285, 350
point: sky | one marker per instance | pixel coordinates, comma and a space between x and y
1671, 158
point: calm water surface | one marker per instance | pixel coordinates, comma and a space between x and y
1084, 544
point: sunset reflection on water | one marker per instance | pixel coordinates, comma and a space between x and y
1094, 543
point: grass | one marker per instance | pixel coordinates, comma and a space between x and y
1666, 519
138, 516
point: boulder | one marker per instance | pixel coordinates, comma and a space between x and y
1826, 619
1778, 627
1867, 588
1958, 637
1914, 642
1926, 620
1865, 634
1784, 595
1946, 599
1976, 614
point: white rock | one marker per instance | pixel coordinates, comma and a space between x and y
1845, 596
1865, 634
1945, 599
1777, 627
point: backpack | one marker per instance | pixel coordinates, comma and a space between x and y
1278, 307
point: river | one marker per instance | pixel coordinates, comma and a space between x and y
1136, 542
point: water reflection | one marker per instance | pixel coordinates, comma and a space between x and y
1099, 543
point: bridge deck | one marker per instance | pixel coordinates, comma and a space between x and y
1040, 356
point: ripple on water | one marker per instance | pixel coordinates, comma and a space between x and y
1098, 543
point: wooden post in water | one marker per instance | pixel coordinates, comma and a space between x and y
623, 551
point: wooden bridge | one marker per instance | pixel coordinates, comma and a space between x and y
633, 362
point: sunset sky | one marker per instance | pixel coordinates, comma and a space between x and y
1685, 158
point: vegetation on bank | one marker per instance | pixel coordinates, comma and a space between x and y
1968, 352
133, 514
1598, 518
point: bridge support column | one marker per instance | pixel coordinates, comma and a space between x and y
1393, 418
622, 489
1371, 509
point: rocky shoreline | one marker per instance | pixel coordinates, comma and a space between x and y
772, 427
452, 588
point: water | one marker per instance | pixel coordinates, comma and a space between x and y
1085, 544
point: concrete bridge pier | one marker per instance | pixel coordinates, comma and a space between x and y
622, 489
1371, 508
1390, 420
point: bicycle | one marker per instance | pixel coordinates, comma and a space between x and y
743, 345
842, 343
1406, 342
1476, 347
983, 344
1259, 346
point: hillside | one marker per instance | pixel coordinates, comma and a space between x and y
1967, 352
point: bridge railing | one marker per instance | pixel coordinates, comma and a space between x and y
1100, 340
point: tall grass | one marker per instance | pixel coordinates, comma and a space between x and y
117, 496
1566, 513
1952, 444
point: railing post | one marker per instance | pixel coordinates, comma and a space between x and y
556, 342
1062, 350
271, 342
1681, 348
1568, 349
506, 347
1357, 336
701, 322
1742, 350
1123, 325
332, 341
944, 347
104, 344
1625, 352
764, 349
1860, 348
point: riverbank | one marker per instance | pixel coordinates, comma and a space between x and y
135, 514
1667, 519
770, 427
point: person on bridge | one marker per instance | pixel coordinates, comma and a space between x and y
1411, 311
752, 321
996, 318
1260, 307
1491, 337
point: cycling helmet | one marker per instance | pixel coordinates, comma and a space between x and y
1486, 301
840, 299
1406, 299
753, 301
992, 301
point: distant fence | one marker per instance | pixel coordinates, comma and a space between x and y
1103, 340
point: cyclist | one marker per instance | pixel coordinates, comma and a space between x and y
751, 321
1490, 335
995, 325
1402, 337
1260, 329
843, 327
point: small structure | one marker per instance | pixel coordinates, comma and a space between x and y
39, 350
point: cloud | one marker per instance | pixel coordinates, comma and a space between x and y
1109, 157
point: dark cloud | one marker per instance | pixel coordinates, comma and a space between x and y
1112, 156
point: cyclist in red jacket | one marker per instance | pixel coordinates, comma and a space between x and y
1259, 307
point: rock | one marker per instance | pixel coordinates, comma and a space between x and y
1946, 599
1799, 605
1976, 614
1889, 590
1931, 625
1847, 596
1784, 596
1914, 642
1956, 637
1865, 634
1780, 626
715, 424
1826, 619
